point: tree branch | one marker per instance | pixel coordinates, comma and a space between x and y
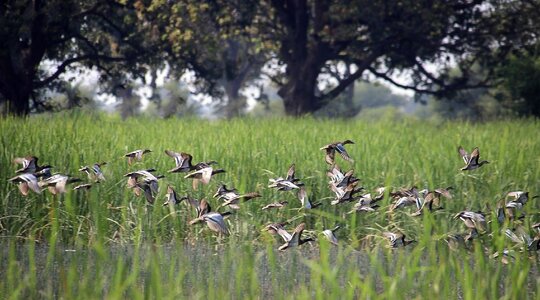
66, 63
344, 83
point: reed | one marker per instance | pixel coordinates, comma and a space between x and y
108, 243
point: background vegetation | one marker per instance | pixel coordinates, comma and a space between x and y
310, 52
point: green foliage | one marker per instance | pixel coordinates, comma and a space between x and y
521, 76
125, 248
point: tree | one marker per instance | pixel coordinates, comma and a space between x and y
384, 37
108, 35
521, 77
209, 38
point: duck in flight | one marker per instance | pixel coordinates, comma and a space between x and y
472, 161
338, 147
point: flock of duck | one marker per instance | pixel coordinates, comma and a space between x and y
345, 186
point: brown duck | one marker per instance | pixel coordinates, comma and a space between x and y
338, 147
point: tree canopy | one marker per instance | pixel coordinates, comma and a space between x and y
226, 44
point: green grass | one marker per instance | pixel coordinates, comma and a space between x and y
125, 248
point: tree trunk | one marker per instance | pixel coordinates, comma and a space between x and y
17, 99
16, 79
304, 55
20, 59
299, 93
236, 102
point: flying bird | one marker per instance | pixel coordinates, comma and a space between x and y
338, 147
26, 182
471, 161
94, 172
136, 155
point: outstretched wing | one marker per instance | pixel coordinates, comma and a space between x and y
464, 155
290, 172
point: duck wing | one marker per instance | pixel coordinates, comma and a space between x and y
464, 155
341, 150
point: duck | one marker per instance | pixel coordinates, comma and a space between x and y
296, 238
339, 147
277, 228
408, 201
291, 174
133, 177
232, 201
471, 161
224, 190
94, 172
500, 211
56, 184
214, 221
26, 182
182, 161
136, 155
473, 220
278, 205
304, 199
171, 198
147, 189
536, 227
506, 257
345, 194
339, 179
455, 241
231, 196
365, 204
29, 165
519, 196
148, 179
203, 174
201, 207
520, 236
397, 239
282, 184
84, 186
330, 235
288, 183
432, 199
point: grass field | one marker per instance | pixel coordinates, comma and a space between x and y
108, 243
